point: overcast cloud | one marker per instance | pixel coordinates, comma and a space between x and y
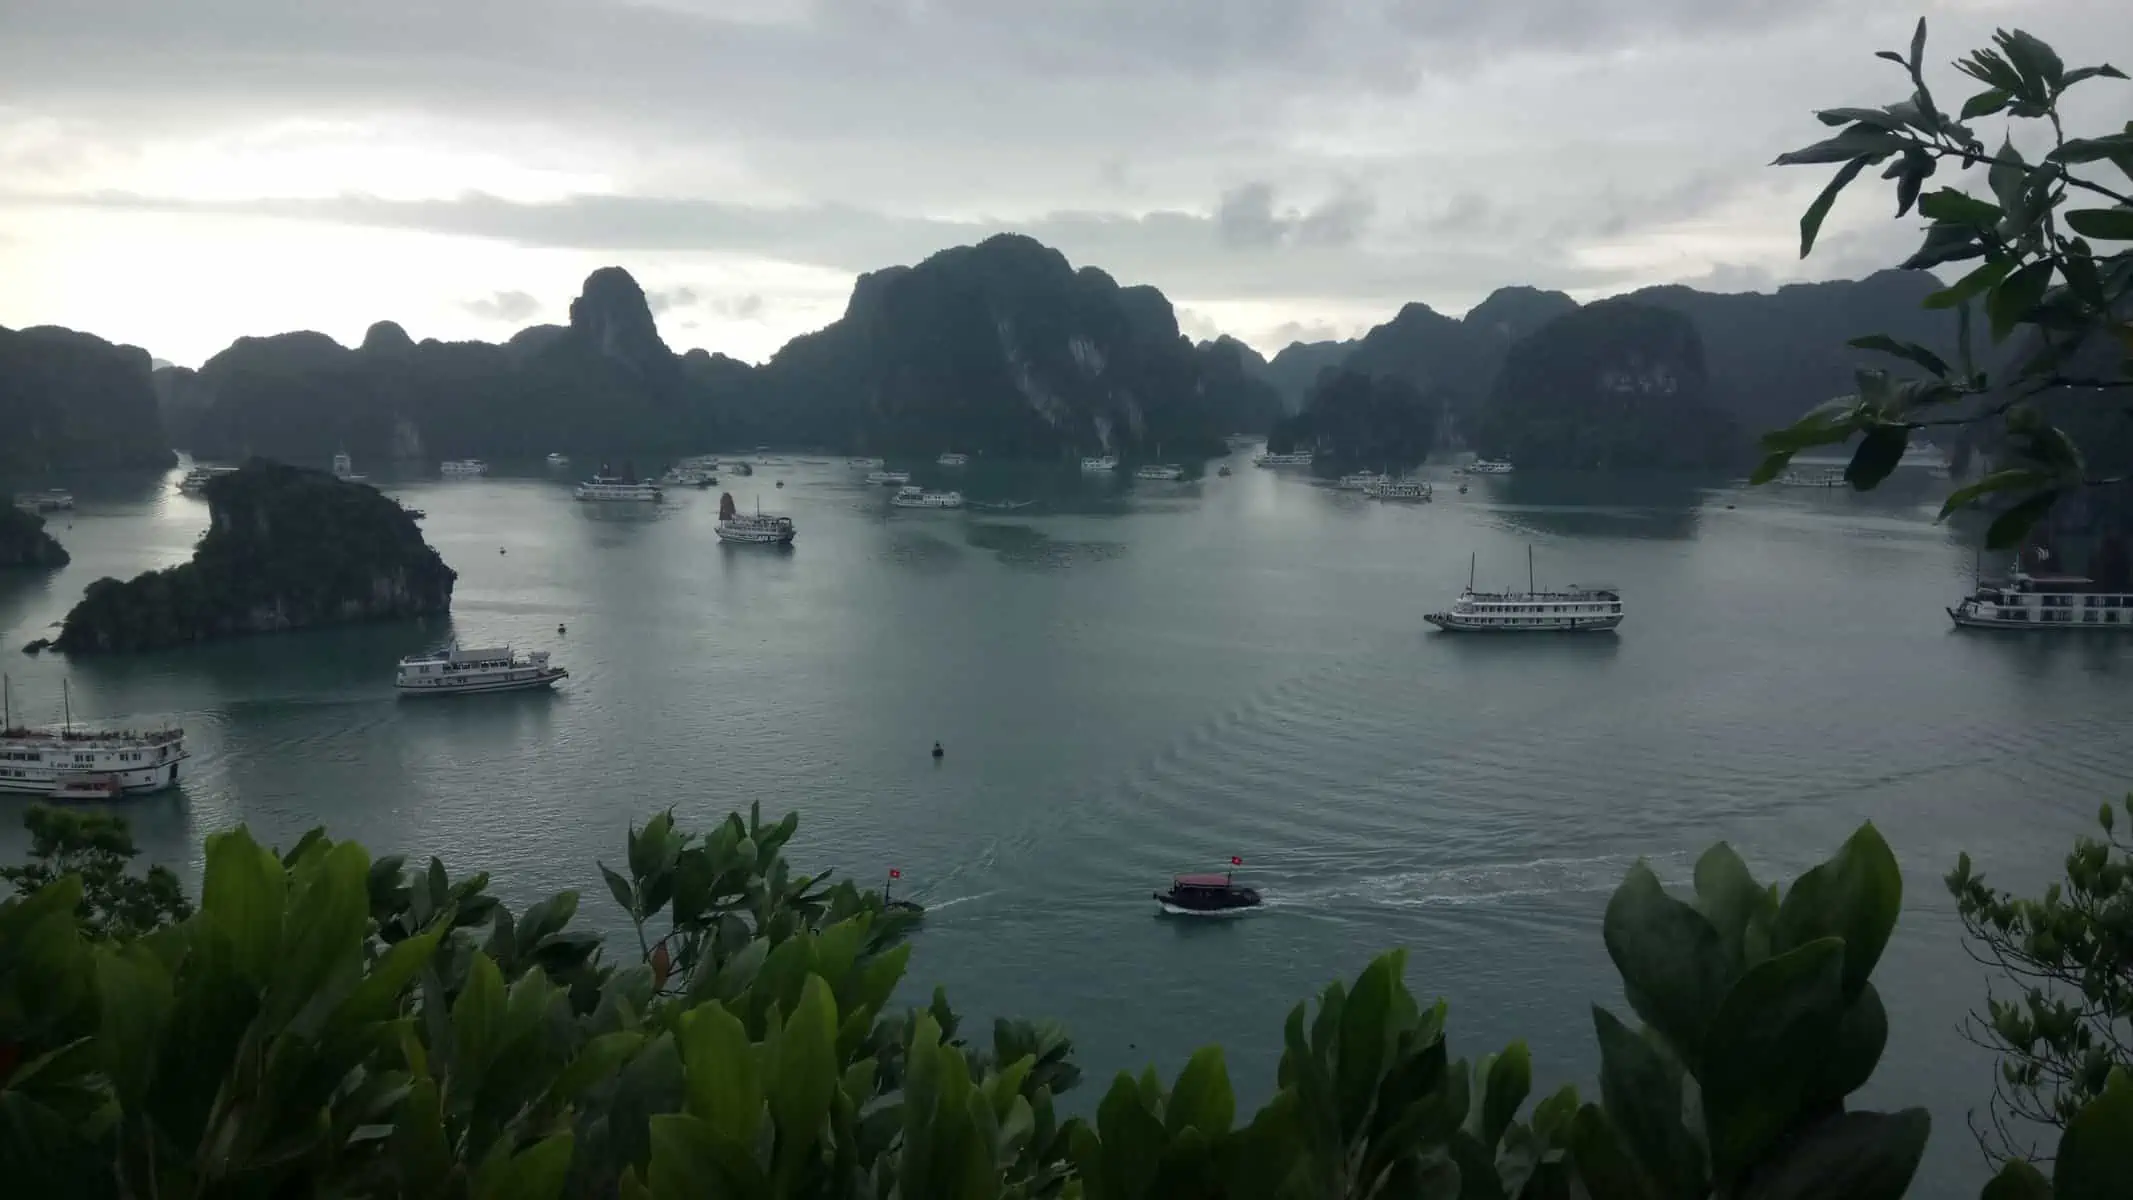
177, 174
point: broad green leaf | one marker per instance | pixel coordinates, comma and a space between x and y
2011, 526
1760, 1057
1365, 1040
2012, 298
1911, 351
1856, 1156
1642, 1092
135, 990
720, 1068
329, 915
1132, 1141
1673, 965
1917, 61
535, 1173
1970, 286
1728, 896
1985, 103
1856, 896
1998, 481
2104, 224
2096, 1153
1506, 1084
2034, 59
478, 1018
1603, 1161
1854, 1049
1202, 1099
1771, 467
1958, 208
2018, 1180
2083, 150
1811, 220
242, 899
806, 1074
1860, 142
1945, 244
689, 1162
1876, 455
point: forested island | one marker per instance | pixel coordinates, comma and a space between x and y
1358, 421
24, 542
288, 548
72, 400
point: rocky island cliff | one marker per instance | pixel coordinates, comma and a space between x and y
24, 543
288, 549
71, 401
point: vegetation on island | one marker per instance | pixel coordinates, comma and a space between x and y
72, 401
1614, 385
1353, 421
288, 548
24, 542
2050, 243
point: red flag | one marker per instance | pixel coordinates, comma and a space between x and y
895, 874
1235, 861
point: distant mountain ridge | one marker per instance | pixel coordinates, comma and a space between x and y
70, 400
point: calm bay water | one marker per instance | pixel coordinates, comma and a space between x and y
1132, 679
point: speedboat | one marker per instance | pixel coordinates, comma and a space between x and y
1203, 894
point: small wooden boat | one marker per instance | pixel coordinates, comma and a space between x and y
1202, 894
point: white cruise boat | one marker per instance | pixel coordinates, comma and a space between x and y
608, 488
2024, 601
49, 500
888, 478
344, 470
1099, 464
1573, 610
1160, 471
72, 762
1486, 466
451, 671
911, 497
559, 460
1814, 479
1282, 460
196, 480
1361, 481
865, 464
952, 459
1400, 489
463, 468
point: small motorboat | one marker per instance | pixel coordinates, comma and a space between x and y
76, 788
892, 904
1203, 894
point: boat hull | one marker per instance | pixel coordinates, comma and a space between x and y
469, 687
755, 539
1171, 907
1454, 623
1965, 620
141, 782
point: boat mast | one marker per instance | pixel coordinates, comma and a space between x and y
1529, 568
66, 700
1471, 555
7, 704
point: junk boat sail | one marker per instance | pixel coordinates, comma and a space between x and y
1575, 610
451, 671
85, 764
2053, 602
1203, 894
757, 529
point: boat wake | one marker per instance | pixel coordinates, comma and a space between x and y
1486, 883
1220, 914
934, 907
1001, 505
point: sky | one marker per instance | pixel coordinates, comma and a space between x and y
177, 174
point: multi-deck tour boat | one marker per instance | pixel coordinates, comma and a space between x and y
1399, 489
451, 671
1201, 895
2056, 602
952, 459
1160, 471
1099, 464
1361, 481
911, 497
344, 470
71, 763
1282, 460
888, 478
197, 479
1573, 610
608, 487
1486, 466
49, 500
752, 529
463, 468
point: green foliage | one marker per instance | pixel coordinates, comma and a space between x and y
1760, 1019
95, 848
1613, 385
2066, 1023
73, 401
24, 542
288, 548
325, 1024
2048, 280
1352, 420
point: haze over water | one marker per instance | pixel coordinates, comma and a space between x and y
1132, 679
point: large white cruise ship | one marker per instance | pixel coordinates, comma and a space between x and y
1164, 471
607, 487
451, 671
1282, 460
2051, 602
1572, 610
752, 529
911, 497
71, 762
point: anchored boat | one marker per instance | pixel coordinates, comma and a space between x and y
451, 671
1573, 610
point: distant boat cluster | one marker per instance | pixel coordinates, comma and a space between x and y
49, 500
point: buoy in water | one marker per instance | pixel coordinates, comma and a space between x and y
938, 752
499, 549
561, 629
